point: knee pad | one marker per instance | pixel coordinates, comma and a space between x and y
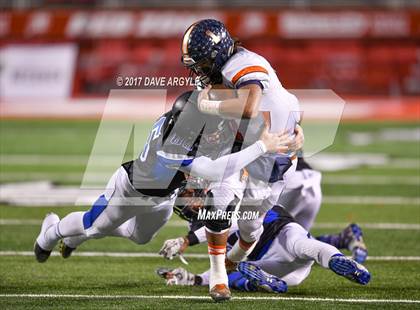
218, 224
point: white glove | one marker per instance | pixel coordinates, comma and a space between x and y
172, 248
180, 276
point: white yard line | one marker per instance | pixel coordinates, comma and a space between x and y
186, 297
370, 180
18, 222
190, 255
379, 226
373, 200
403, 163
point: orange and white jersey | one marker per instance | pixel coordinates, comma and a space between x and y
281, 108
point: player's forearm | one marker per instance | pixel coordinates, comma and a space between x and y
246, 105
225, 166
238, 108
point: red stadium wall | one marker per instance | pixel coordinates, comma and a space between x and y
352, 52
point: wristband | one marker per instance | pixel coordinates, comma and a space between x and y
209, 106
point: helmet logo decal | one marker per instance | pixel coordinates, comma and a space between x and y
216, 39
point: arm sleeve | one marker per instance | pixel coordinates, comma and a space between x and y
225, 166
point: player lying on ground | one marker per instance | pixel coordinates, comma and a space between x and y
215, 58
302, 199
282, 257
139, 197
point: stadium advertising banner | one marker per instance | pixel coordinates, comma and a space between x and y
37, 71
169, 23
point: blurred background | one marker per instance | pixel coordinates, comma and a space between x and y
76, 49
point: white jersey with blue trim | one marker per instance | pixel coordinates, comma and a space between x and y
245, 67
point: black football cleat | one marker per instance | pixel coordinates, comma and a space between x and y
41, 255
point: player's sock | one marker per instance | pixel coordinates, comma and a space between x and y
334, 240
350, 238
70, 225
75, 241
240, 250
49, 235
44, 244
343, 239
217, 254
52, 235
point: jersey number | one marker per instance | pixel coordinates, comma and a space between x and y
154, 134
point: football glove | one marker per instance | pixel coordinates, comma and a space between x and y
178, 276
173, 247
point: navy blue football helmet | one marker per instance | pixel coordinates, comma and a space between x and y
206, 47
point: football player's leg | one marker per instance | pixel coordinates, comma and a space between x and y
249, 232
351, 238
219, 198
80, 225
236, 280
298, 275
145, 225
302, 197
258, 199
69, 244
299, 243
103, 214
